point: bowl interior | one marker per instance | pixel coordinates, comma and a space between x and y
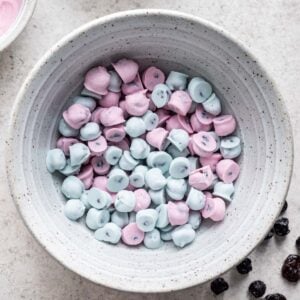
171, 41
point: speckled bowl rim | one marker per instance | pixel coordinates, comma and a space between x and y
185, 283
20, 24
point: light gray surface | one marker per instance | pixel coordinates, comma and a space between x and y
271, 30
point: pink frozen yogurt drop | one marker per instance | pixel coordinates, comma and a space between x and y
228, 170
185, 124
211, 161
173, 123
201, 178
152, 106
203, 117
130, 188
133, 87
122, 105
114, 134
163, 116
180, 102
112, 116
214, 209
191, 147
98, 146
86, 175
132, 235
137, 104
64, 144
197, 125
110, 99
127, 69
97, 80
100, 165
178, 213
77, 115
123, 144
96, 114
224, 125
100, 182
143, 199
204, 144
153, 76
157, 138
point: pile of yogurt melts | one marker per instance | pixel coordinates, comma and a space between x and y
145, 158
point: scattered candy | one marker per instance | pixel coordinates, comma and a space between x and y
257, 288
291, 268
140, 154
245, 266
284, 208
269, 235
276, 296
219, 285
281, 227
297, 243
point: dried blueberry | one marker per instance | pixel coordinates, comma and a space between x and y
298, 243
245, 266
284, 208
275, 297
269, 235
281, 227
257, 288
219, 285
291, 268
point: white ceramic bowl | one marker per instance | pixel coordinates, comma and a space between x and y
170, 40
23, 18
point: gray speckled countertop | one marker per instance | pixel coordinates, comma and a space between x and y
270, 28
